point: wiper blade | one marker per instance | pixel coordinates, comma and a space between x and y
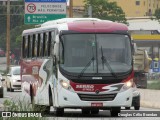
84, 69
105, 61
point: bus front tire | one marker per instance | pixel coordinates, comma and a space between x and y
136, 107
95, 111
115, 111
85, 111
127, 108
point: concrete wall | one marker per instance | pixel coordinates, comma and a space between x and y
150, 98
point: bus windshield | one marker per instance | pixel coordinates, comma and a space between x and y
89, 53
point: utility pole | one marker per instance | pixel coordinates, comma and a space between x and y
71, 9
8, 35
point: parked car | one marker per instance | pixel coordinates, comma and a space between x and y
13, 81
1, 87
2, 53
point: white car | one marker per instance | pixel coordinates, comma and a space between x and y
1, 86
13, 81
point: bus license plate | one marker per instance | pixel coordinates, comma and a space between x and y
96, 104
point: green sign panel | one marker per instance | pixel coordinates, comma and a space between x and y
41, 18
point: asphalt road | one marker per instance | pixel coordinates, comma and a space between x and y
69, 113
73, 114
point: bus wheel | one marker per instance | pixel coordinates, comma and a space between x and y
44, 109
59, 111
85, 111
31, 96
95, 111
115, 111
136, 107
50, 97
11, 89
8, 89
127, 108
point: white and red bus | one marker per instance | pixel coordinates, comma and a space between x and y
79, 63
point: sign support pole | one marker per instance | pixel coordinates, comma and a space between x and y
71, 9
8, 35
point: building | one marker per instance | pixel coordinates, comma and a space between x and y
138, 8
132, 8
146, 34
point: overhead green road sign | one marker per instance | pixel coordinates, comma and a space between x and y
40, 11
41, 18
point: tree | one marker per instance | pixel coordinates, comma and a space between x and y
157, 15
106, 10
16, 20
15, 38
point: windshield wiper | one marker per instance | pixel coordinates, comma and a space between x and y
105, 61
84, 69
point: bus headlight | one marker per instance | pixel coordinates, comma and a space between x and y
127, 85
14, 80
65, 84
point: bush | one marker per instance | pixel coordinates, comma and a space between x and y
21, 108
154, 85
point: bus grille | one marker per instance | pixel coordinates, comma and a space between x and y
97, 97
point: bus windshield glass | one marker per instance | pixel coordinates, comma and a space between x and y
89, 53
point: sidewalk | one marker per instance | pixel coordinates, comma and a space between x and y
150, 98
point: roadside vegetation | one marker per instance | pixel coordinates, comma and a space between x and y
22, 108
103, 9
154, 85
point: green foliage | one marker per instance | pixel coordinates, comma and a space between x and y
154, 85
22, 107
15, 37
157, 15
16, 22
106, 10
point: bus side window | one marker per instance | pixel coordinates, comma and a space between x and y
46, 44
28, 46
41, 46
38, 44
49, 44
23, 47
53, 35
33, 45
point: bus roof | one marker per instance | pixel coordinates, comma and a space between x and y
80, 25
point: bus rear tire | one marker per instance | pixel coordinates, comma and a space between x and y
11, 89
59, 111
115, 111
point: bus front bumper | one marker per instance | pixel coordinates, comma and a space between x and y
68, 99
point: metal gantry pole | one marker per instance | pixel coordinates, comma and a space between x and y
71, 8
8, 35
